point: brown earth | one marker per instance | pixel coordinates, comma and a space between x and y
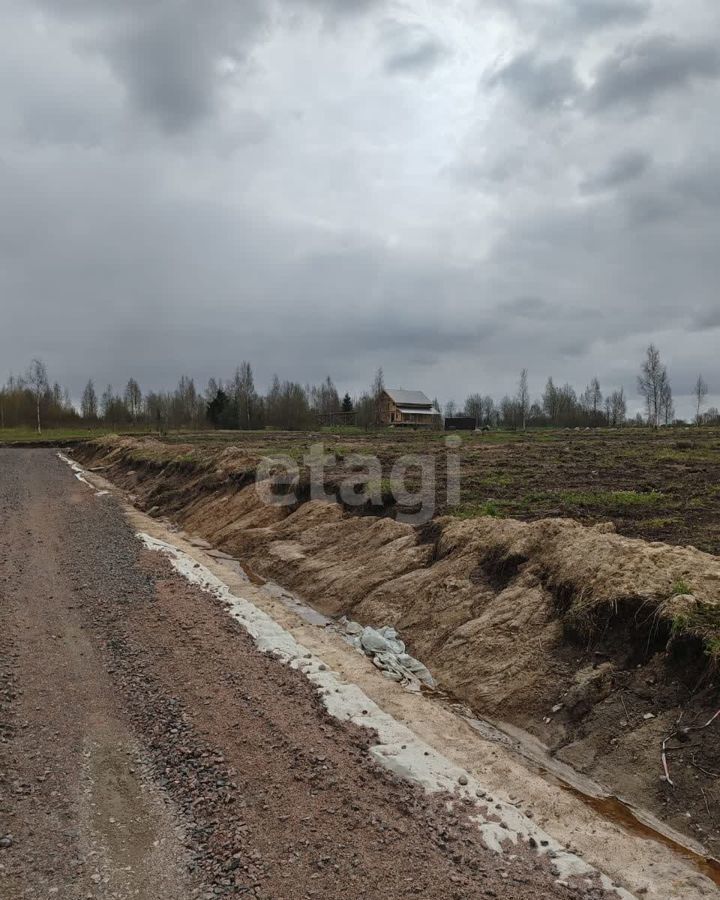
148, 750
654, 485
513, 618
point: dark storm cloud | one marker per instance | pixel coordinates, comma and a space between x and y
625, 167
537, 82
636, 73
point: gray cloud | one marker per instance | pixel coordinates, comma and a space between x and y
573, 17
593, 14
167, 54
626, 167
174, 57
538, 83
185, 185
526, 307
411, 49
635, 73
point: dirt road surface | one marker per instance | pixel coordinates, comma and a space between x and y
148, 750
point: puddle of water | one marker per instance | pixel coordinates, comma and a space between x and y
611, 808
307, 613
617, 811
288, 600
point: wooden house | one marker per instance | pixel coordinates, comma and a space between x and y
406, 409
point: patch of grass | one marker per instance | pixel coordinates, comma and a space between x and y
680, 623
30, 435
660, 523
609, 500
475, 510
681, 587
496, 479
712, 648
697, 454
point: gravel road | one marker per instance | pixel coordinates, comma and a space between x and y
148, 750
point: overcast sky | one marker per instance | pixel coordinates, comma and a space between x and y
452, 190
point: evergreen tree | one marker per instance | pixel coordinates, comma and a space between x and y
218, 408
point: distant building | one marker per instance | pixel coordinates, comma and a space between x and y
460, 423
406, 409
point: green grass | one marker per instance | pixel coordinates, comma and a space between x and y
681, 587
661, 522
703, 622
25, 435
496, 479
491, 508
712, 648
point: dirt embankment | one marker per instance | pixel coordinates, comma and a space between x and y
594, 642
150, 751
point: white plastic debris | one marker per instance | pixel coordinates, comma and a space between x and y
384, 647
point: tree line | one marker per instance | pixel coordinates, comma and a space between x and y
562, 406
235, 403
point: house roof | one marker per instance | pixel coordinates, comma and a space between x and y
418, 412
408, 398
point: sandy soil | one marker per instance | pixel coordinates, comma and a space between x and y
148, 750
653, 485
485, 603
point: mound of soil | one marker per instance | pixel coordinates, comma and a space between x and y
594, 642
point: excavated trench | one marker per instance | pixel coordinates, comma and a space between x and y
572, 634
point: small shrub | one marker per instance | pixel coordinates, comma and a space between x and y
680, 587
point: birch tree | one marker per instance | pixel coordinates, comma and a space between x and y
37, 380
523, 398
701, 391
650, 384
667, 407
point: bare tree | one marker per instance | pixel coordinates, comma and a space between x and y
593, 399
489, 411
701, 392
106, 402
650, 384
667, 407
618, 407
244, 394
89, 402
450, 409
133, 399
523, 398
550, 401
376, 391
38, 382
474, 408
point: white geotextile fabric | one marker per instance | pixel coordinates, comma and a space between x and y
387, 652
